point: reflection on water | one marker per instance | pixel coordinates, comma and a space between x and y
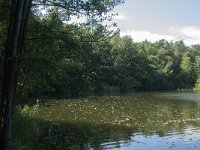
141, 121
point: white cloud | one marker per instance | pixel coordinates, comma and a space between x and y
139, 36
190, 35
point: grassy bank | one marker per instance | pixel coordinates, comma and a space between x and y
24, 129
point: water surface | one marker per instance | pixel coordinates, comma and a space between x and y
142, 121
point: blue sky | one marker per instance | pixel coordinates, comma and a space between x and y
157, 19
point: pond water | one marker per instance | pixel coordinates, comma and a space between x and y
142, 121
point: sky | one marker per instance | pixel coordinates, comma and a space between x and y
153, 20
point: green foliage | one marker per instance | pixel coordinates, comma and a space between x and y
24, 128
76, 60
86, 59
4, 13
188, 73
186, 65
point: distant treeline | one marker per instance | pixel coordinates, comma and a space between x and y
68, 61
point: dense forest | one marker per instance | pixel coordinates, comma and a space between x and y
86, 59
75, 60
70, 60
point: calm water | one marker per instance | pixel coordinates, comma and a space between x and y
143, 121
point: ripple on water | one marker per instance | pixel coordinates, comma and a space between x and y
188, 139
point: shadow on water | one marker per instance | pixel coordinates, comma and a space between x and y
51, 135
81, 136
104, 123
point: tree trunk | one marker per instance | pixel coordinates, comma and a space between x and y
15, 37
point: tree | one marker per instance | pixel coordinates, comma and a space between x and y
3, 28
197, 71
187, 71
18, 19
